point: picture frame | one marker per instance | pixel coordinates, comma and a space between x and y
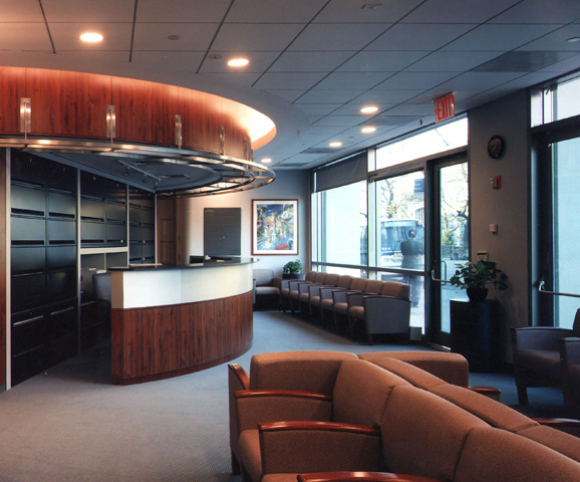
274, 226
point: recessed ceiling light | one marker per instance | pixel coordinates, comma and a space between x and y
266, 160
335, 144
214, 56
573, 39
368, 129
369, 109
174, 37
238, 62
91, 37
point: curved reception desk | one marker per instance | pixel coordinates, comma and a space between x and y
169, 321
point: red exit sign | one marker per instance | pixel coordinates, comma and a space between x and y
444, 107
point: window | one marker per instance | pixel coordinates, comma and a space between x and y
556, 102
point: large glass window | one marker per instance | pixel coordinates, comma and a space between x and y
556, 101
342, 214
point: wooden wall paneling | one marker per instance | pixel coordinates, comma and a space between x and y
93, 95
3, 272
12, 88
160, 342
145, 111
236, 129
200, 119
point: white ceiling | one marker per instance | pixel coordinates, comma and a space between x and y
313, 63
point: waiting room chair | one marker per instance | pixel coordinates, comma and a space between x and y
538, 356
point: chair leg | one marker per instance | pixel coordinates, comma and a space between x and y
522, 395
236, 468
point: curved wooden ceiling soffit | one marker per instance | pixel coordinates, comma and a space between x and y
181, 141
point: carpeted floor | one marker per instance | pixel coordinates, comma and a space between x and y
72, 424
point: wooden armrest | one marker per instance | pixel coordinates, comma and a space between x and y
281, 393
362, 477
327, 426
240, 374
491, 392
559, 423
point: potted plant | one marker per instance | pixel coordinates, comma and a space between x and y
474, 277
292, 268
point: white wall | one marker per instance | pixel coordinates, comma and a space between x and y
507, 207
288, 185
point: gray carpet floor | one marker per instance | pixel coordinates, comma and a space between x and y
71, 423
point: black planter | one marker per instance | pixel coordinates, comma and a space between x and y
477, 294
293, 275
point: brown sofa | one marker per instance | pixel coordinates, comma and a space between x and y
376, 419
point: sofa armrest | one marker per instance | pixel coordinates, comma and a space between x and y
326, 292
362, 477
570, 349
316, 289
305, 447
260, 406
490, 392
341, 296
356, 298
386, 314
568, 425
278, 282
538, 338
239, 379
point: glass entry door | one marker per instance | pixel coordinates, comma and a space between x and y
559, 219
450, 243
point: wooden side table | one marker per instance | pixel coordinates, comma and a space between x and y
475, 333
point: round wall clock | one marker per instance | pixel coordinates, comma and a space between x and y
496, 147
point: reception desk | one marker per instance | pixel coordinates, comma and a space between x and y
169, 321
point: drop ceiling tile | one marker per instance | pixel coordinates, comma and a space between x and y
79, 11
313, 61
478, 80
381, 61
259, 62
96, 57
290, 80
523, 61
117, 36
243, 36
567, 65
353, 80
290, 95
557, 40
318, 96
24, 36
181, 10
387, 96
193, 36
21, 11
457, 11
175, 60
340, 120
415, 80
337, 36
419, 36
280, 11
430, 95
354, 107
411, 110
538, 11
499, 37
241, 78
318, 109
446, 61
347, 11
322, 132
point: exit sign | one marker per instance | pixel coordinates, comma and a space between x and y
444, 107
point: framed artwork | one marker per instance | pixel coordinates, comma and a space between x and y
274, 226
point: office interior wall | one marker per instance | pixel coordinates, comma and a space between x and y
507, 206
288, 185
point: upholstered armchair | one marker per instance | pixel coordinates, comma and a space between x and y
361, 477
537, 356
571, 370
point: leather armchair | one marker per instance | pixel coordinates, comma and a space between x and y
538, 357
571, 370
361, 477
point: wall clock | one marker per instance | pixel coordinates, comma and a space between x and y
496, 147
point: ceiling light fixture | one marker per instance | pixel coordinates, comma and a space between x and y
369, 109
368, 130
91, 37
174, 37
266, 160
335, 144
238, 62
573, 39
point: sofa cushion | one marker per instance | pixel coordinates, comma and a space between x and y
423, 434
358, 284
311, 371
494, 413
398, 290
415, 376
374, 286
564, 443
344, 281
496, 455
361, 391
451, 367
